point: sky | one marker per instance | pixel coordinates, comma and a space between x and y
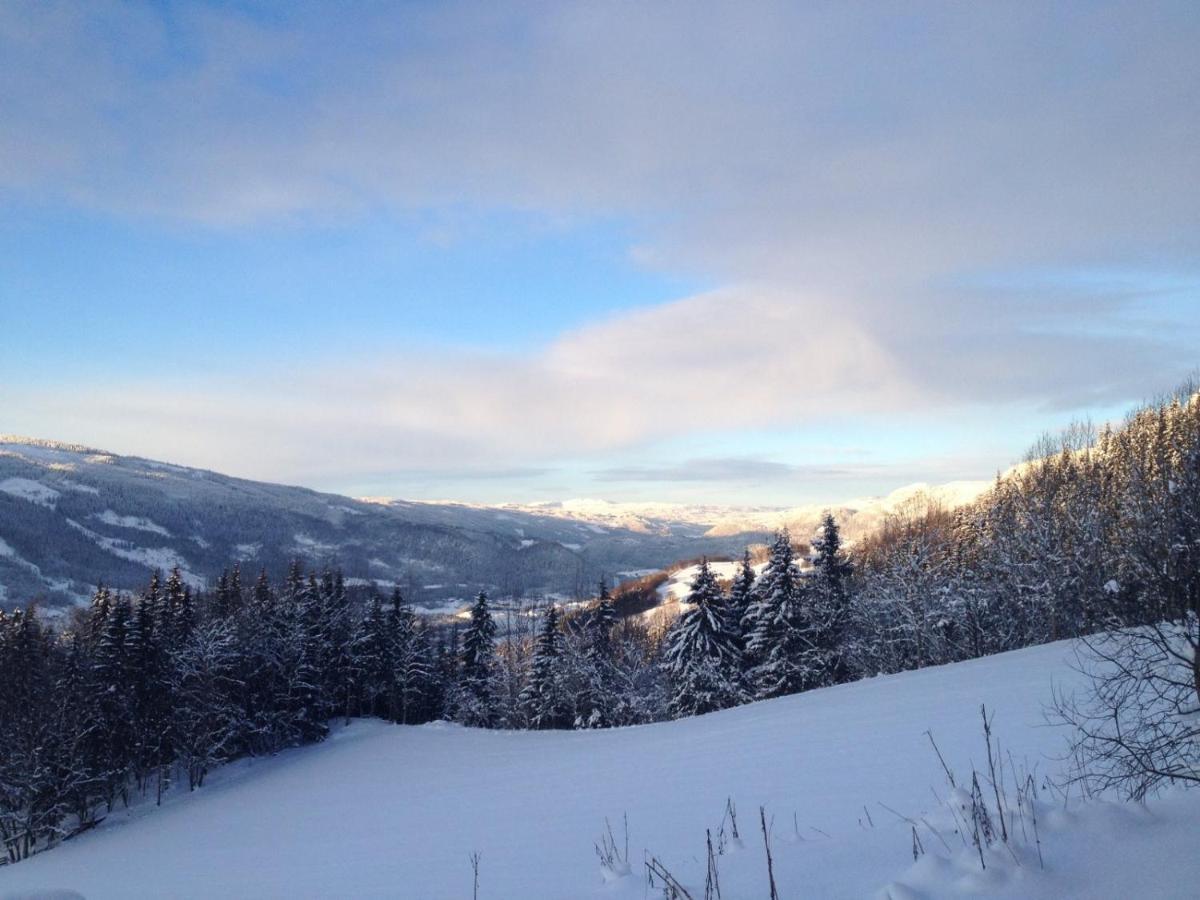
730, 253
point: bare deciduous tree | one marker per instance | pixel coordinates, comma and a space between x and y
1136, 723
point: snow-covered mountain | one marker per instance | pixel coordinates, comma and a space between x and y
71, 516
384, 810
857, 517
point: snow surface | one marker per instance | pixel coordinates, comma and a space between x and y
33, 491
138, 523
679, 583
392, 811
162, 558
76, 486
8, 552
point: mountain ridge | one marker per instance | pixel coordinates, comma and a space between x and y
72, 515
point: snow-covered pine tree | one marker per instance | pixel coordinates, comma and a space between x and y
265, 633
702, 657
475, 702
203, 680
741, 595
408, 660
372, 667
78, 726
544, 701
30, 804
829, 608
337, 686
420, 694
776, 639
309, 709
604, 620
180, 616
112, 672
591, 661
151, 701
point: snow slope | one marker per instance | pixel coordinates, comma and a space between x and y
392, 811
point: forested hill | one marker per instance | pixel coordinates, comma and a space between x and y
71, 515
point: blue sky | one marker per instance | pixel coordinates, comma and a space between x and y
502, 280
765, 254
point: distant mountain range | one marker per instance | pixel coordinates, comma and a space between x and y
857, 517
72, 516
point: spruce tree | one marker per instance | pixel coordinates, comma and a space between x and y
112, 671
604, 620
304, 708
420, 691
80, 734
593, 671
337, 672
702, 657
777, 640
372, 666
828, 608
741, 595
543, 701
475, 700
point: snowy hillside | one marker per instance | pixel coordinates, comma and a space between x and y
72, 516
392, 811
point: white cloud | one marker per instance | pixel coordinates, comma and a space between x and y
750, 358
844, 170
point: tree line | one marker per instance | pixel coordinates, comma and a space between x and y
1098, 534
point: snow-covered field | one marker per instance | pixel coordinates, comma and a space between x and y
392, 811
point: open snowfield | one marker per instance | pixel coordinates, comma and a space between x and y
392, 811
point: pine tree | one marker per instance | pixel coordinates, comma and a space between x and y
112, 671
544, 701
98, 616
204, 716
591, 663
80, 734
178, 619
265, 631
604, 620
741, 595
420, 691
372, 664
148, 670
475, 698
337, 686
30, 804
776, 641
702, 657
310, 706
222, 603
829, 609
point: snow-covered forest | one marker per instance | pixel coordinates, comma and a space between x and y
1096, 537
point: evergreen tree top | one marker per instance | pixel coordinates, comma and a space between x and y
829, 560
478, 639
